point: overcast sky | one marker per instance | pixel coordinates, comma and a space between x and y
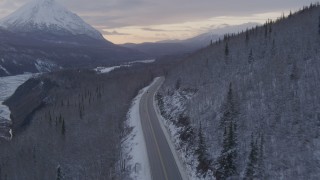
137, 21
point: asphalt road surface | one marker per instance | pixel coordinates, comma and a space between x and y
162, 163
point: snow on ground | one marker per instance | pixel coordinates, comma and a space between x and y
48, 14
133, 147
143, 61
5, 70
175, 105
171, 141
8, 85
45, 65
103, 70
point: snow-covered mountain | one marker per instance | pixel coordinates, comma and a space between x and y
48, 16
44, 36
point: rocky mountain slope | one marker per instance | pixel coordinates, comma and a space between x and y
251, 102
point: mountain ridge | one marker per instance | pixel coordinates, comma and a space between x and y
44, 36
187, 46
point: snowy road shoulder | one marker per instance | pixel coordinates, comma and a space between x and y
134, 148
169, 140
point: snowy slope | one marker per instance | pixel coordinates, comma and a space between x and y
267, 82
49, 16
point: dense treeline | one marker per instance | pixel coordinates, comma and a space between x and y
77, 132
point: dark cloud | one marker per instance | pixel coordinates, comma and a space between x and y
114, 33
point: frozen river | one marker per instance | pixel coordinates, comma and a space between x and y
8, 85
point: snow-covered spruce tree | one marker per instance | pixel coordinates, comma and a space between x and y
319, 25
187, 134
63, 128
250, 57
226, 50
203, 158
252, 166
59, 173
229, 109
178, 84
247, 37
261, 167
227, 159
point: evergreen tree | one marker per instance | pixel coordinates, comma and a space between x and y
178, 84
294, 73
261, 157
203, 157
250, 58
252, 166
247, 36
60, 118
50, 118
186, 133
227, 159
270, 29
226, 50
266, 30
59, 173
229, 108
319, 25
273, 48
63, 128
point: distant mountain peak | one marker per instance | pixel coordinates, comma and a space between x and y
48, 16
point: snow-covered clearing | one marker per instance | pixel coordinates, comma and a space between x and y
134, 147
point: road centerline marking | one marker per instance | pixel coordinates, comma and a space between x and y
154, 136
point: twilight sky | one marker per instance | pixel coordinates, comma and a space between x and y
122, 21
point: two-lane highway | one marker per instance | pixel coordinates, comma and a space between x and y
162, 162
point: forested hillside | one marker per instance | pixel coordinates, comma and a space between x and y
69, 124
251, 102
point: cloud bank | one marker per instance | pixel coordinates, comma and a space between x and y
112, 16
